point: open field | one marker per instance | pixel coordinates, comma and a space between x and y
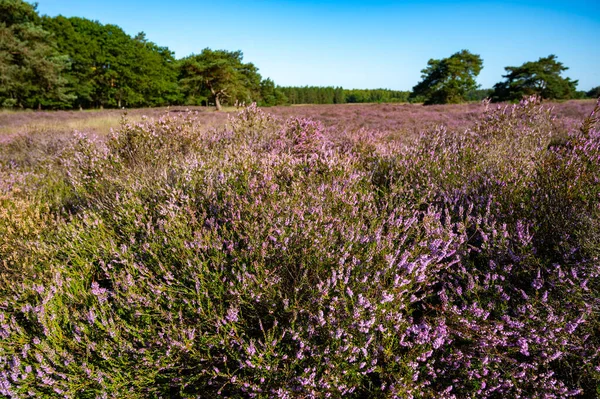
353, 251
392, 118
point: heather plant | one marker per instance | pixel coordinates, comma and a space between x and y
288, 258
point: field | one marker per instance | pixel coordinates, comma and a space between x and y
374, 250
393, 118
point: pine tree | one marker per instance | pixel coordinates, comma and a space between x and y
31, 69
541, 77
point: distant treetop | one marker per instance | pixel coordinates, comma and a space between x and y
447, 81
541, 77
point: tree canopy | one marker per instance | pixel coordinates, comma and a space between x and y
541, 77
220, 75
339, 95
110, 68
30, 66
70, 63
447, 81
271, 94
594, 93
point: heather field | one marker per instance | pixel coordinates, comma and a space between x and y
360, 251
396, 119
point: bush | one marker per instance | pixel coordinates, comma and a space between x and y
265, 259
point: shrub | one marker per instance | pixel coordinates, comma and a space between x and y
265, 259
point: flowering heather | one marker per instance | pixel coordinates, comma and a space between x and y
293, 258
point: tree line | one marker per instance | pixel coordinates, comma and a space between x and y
339, 95
70, 63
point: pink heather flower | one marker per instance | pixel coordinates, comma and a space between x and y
523, 346
101, 293
386, 297
91, 316
537, 282
232, 314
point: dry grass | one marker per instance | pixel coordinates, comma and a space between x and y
390, 118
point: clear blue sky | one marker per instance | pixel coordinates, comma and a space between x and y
362, 44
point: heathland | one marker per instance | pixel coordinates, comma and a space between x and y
388, 250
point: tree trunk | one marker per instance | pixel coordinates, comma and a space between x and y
216, 94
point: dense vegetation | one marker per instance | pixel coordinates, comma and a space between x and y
447, 81
339, 95
278, 258
223, 74
70, 63
594, 93
111, 69
540, 78
30, 65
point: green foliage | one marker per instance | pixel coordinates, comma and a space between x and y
109, 68
70, 63
376, 96
339, 95
594, 93
541, 78
478, 94
270, 94
310, 95
580, 95
30, 67
447, 81
220, 74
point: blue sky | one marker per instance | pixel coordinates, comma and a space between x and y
362, 44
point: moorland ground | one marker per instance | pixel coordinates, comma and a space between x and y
392, 118
317, 251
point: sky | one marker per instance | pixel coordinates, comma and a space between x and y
362, 44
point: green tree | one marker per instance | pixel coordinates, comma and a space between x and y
479, 94
80, 48
156, 72
110, 68
340, 96
311, 95
270, 94
541, 77
220, 74
594, 93
31, 69
447, 81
